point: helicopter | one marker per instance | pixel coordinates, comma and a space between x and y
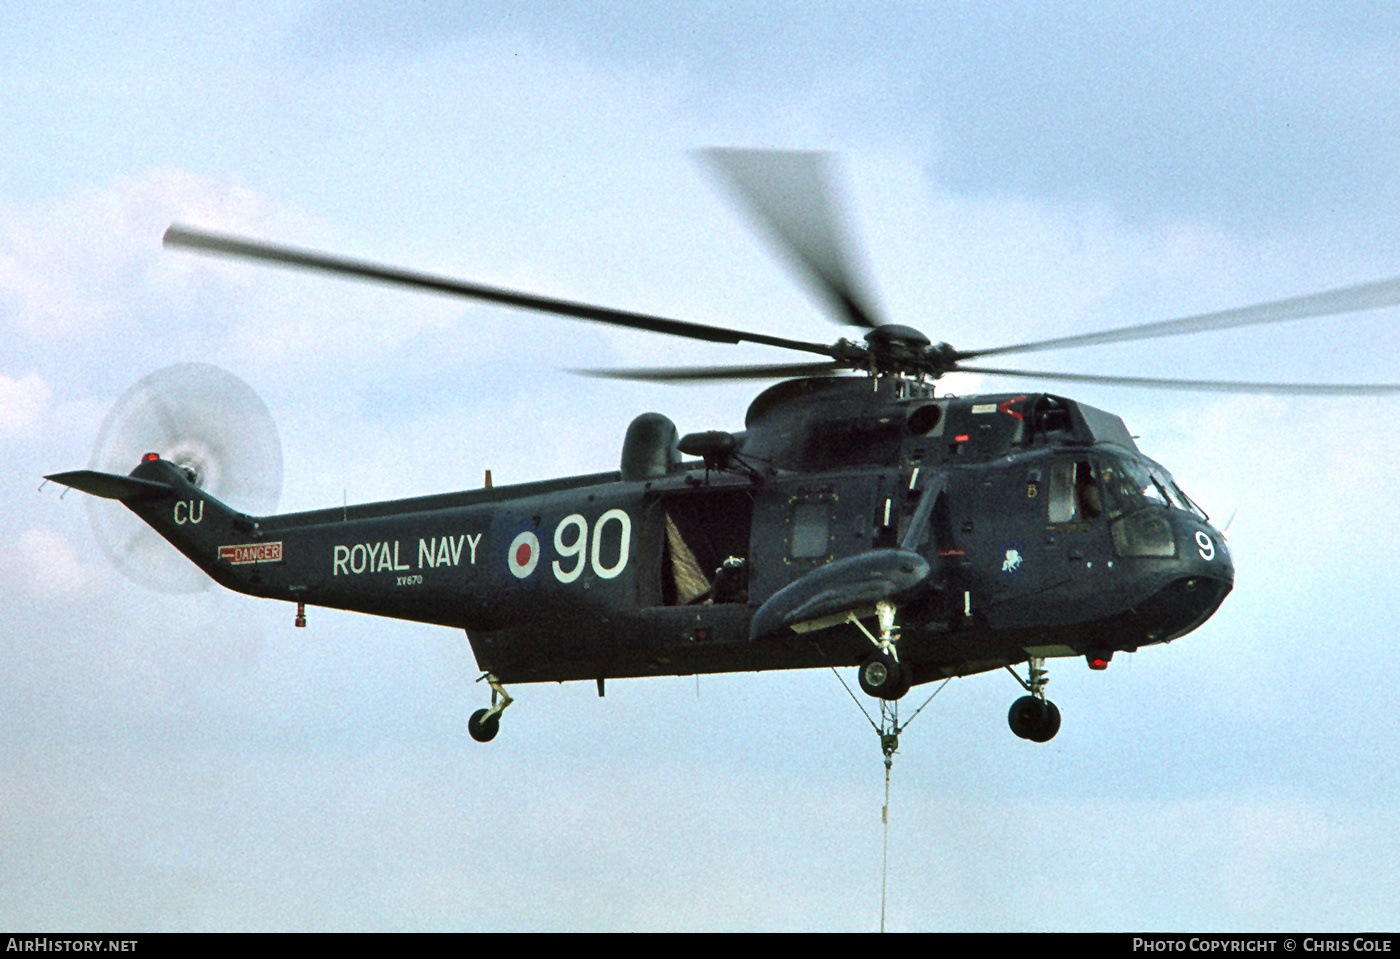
859, 519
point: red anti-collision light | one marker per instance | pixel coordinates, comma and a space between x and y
1098, 664
150, 456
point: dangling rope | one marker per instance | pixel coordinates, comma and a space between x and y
888, 730
889, 742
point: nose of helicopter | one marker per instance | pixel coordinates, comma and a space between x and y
1203, 576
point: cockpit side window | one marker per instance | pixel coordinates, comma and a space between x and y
1119, 495
1074, 493
1086, 491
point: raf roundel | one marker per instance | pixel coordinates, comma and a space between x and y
523, 555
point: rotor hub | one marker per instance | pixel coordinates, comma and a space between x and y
896, 348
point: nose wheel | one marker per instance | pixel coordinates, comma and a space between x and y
1034, 717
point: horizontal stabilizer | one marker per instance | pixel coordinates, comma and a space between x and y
111, 486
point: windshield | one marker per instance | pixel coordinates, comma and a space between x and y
1129, 485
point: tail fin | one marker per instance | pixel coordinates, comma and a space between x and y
163, 496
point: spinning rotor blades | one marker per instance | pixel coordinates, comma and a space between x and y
680, 374
791, 195
1349, 299
205, 242
206, 420
1210, 386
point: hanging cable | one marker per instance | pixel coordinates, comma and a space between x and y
888, 730
889, 742
854, 700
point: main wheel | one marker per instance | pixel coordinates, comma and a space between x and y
884, 677
1049, 724
483, 732
1034, 718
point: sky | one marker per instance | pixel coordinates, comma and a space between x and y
192, 761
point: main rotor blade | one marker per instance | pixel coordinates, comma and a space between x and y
790, 193
1217, 386
1350, 299
219, 244
682, 374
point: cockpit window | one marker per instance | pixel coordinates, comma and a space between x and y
1152, 489
1187, 503
1131, 484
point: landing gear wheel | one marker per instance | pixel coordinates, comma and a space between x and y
884, 677
484, 730
1034, 718
486, 723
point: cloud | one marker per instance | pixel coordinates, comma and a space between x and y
23, 403
48, 564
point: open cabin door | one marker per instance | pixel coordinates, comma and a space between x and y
698, 548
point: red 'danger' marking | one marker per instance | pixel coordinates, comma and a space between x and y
251, 553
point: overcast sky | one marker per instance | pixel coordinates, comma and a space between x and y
1012, 172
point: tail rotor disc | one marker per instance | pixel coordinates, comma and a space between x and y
207, 421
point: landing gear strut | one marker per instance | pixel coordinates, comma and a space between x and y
883, 675
1034, 717
486, 723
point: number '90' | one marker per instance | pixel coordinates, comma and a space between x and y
571, 542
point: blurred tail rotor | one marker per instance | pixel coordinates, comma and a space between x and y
206, 420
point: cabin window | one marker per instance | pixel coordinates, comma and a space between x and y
811, 529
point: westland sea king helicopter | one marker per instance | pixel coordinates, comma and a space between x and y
856, 520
